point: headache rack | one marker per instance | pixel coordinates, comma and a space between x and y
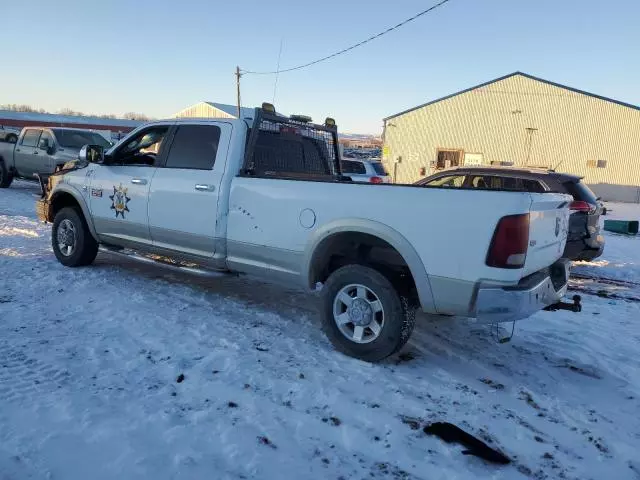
291, 148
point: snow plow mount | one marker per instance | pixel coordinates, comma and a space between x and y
576, 306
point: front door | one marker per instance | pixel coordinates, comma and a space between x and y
183, 203
119, 188
27, 156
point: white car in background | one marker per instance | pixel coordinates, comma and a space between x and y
366, 171
9, 134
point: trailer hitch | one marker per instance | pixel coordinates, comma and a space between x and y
576, 306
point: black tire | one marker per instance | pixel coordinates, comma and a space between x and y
399, 315
85, 246
11, 138
5, 177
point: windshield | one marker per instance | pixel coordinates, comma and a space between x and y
579, 191
79, 138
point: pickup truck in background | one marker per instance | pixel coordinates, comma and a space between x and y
267, 197
40, 151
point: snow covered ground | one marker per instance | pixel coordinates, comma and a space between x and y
90, 363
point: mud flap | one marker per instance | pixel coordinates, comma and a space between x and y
501, 334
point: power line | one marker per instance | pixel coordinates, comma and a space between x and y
275, 84
345, 50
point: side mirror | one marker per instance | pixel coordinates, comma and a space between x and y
91, 154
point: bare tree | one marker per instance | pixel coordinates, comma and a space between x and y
135, 116
19, 108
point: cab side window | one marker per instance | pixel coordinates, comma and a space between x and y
143, 149
46, 141
194, 147
30, 138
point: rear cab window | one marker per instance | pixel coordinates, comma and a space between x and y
30, 138
194, 147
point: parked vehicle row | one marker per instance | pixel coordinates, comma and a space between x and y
40, 151
268, 197
584, 241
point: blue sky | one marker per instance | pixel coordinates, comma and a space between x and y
159, 56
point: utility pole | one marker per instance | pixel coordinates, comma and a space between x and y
238, 75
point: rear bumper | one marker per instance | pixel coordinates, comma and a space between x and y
534, 293
585, 249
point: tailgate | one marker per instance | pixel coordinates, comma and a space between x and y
548, 229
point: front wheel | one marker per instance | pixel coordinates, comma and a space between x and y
71, 239
362, 314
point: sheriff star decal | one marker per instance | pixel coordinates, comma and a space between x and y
119, 200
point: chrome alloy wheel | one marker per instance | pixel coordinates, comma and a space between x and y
66, 236
358, 313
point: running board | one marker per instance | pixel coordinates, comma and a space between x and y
164, 262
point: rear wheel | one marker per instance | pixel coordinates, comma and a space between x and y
71, 239
363, 316
5, 176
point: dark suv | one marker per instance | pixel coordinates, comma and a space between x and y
584, 241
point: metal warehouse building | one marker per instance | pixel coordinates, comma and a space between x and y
522, 120
214, 110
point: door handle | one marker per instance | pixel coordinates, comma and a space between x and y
204, 188
17, 149
139, 181
35, 153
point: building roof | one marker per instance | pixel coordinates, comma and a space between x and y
64, 119
233, 109
571, 89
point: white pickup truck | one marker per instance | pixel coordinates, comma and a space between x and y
265, 196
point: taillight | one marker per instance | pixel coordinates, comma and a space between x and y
581, 206
375, 180
510, 242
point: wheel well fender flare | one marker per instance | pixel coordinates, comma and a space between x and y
376, 229
68, 190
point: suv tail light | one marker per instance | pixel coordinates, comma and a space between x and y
581, 206
375, 180
510, 242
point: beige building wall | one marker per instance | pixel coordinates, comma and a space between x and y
572, 132
202, 110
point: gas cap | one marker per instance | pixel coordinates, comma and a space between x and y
307, 218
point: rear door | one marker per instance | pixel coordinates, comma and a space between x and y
27, 156
183, 201
549, 223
